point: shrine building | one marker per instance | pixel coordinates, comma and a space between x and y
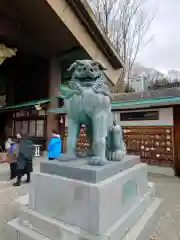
38, 42
151, 127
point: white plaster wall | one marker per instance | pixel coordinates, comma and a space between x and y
165, 118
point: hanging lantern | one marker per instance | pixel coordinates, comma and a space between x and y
61, 119
6, 52
38, 107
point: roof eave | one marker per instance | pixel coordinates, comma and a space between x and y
129, 106
87, 17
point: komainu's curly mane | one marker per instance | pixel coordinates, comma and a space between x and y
88, 73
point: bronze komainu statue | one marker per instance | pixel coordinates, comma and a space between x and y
90, 104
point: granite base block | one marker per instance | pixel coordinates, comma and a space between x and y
91, 207
105, 204
34, 226
80, 170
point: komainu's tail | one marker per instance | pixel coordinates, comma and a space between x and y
115, 146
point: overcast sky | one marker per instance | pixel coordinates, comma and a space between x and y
163, 52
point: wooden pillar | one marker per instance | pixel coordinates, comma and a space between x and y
8, 116
176, 142
54, 86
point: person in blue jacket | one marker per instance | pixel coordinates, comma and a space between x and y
54, 146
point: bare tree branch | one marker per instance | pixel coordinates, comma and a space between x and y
126, 23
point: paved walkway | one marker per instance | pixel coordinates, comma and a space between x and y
165, 225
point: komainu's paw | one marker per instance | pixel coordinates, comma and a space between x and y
117, 155
95, 161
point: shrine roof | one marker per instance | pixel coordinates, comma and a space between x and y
145, 103
24, 104
128, 103
148, 98
147, 94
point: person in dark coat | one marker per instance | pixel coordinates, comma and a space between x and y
9, 152
12, 156
11, 149
24, 160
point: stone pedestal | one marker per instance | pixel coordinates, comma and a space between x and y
77, 207
80, 170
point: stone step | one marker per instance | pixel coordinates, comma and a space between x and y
136, 232
23, 200
35, 226
50, 227
54, 229
57, 230
127, 221
20, 232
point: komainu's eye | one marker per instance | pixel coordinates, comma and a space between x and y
95, 67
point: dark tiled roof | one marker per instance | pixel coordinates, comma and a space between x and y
166, 92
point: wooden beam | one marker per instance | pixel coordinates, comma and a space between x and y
54, 85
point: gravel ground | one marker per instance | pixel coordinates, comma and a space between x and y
165, 225
8, 208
